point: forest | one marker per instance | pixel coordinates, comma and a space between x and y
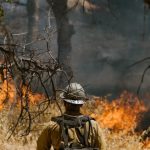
102, 44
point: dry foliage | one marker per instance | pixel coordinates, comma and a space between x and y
116, 139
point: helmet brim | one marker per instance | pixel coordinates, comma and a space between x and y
77, 102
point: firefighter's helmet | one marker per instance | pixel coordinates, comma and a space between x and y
74, 93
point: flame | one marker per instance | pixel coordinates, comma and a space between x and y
33, 97
120, 114
6, 91
8, 94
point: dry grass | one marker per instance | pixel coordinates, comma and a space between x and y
115, 140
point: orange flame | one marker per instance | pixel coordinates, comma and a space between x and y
33, 97
6, 91
120, 114
8, 94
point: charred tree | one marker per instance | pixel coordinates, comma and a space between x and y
65, 30
33, 17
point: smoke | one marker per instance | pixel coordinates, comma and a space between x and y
106, 42
104, 47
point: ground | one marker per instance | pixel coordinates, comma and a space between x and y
117, 139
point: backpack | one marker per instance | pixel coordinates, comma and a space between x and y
66, 122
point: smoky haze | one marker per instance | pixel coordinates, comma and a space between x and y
104, 45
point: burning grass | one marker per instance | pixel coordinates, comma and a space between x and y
118, 119
8, 93
122, 113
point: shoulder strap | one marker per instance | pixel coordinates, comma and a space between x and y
65, 136
83, 138
80, 136
64, 130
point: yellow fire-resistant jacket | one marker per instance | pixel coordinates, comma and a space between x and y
51, 136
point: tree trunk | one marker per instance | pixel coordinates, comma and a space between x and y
65, 32
33, 16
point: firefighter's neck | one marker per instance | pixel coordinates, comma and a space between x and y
72, 113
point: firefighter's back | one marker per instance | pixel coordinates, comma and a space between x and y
72, 137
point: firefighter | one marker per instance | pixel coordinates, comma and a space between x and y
72, 130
